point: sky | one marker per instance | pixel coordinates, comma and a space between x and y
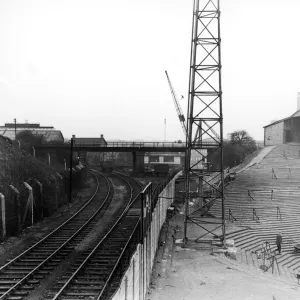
90, 67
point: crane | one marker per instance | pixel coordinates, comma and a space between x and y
180, 113
177, 106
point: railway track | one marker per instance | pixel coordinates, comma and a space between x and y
96, 274
20, 276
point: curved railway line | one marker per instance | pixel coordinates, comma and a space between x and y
97, 272
21, 275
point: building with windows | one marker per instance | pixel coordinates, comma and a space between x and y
283, 131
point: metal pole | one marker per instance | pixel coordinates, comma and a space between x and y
41, 198
15, 121
221, 129
71, 168
49, 159
190, 117
3, 215
165, 131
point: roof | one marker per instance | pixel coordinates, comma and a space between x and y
294, 115
87, 140
49, 135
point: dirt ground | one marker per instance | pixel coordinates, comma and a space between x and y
196, 272
199, 275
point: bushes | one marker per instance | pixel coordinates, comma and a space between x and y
17, 167
234, 151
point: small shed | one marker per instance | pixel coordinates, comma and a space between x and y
90, 141
286, 130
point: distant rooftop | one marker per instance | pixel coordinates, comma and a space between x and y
25, 125
48, 132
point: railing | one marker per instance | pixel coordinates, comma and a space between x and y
285, 172
254, 214
284, 155
272, 195
278, 213
266, 254
231, 217
137, 144
250, 197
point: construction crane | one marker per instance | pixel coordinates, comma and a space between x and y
180, 113
177, 106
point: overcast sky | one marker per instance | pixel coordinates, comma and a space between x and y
90, 67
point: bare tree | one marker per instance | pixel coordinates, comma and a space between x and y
240, 137
244, 140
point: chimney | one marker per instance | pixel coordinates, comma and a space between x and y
298, 101
102, 134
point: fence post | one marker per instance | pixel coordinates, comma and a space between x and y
41, 198
3, 216
55, 183
19, 227
60, 188
30, 201
49, 158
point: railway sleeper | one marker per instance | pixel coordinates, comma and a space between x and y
14, 298
8, 281
86, 277
40, 253
84, 282
108, 256
43, 272
81, 294
96, 272
13, 276
48, 247
85, 287
20, 293
6, 272
28, 260
98, 269
25, 268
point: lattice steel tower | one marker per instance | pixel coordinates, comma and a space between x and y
205, 124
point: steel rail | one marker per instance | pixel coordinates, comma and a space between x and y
52, 232
65, 243
110, 276
131, 201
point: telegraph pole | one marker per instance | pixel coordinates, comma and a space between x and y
165, 130
15, 121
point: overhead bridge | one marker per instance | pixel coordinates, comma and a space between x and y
126, 147
138, 149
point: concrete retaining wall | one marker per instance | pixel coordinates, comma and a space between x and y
136, 279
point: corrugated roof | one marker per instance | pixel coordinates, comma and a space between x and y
294, 115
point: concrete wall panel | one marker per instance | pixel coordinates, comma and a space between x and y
274, 134
137, 278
